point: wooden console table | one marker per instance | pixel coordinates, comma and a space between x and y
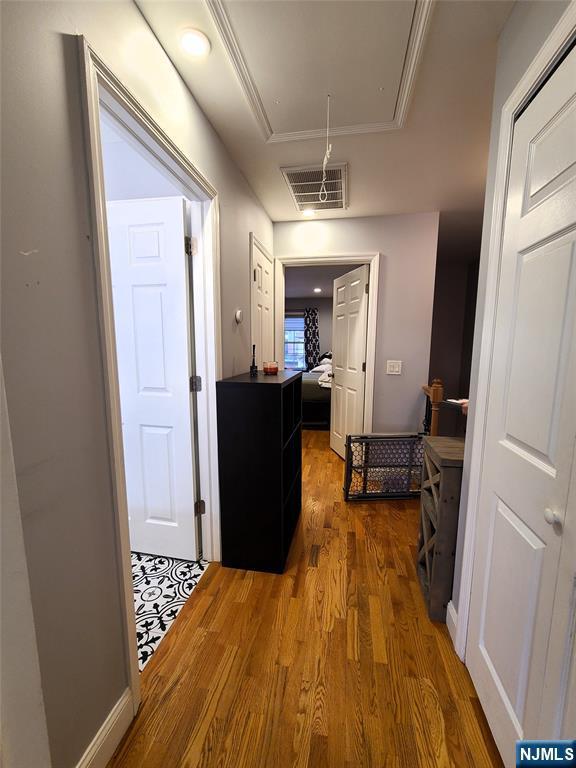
439, 505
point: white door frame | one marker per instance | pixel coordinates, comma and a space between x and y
100, 84
329, 260
542, 65
256, 243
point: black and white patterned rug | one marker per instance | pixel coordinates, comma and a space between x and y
161, 587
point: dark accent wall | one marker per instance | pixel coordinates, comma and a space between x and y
455, 289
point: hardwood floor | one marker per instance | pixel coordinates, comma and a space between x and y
334, 663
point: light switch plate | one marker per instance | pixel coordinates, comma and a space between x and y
394, 367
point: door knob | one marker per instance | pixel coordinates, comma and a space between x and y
553, 517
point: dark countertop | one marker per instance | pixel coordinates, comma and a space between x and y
281, 378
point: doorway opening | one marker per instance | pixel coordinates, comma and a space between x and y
326, 327
150, 232
308, 337
155, 233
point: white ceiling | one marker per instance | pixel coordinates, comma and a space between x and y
297, 52
420, 144
301, 281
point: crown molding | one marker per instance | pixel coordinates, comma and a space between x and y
419, 27
222, 22
344, 130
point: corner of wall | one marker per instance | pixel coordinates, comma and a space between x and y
24, 733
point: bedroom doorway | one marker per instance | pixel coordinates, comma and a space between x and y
308, 337
311, 322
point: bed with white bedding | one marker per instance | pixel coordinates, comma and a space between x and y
316, 392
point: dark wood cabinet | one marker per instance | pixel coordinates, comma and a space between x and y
260, 467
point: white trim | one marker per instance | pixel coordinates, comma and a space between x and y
106, 319
536, 73
452, 620
104, 744
255, 243
97, 81
419, 27
343, 130
224, 27
326, 260
208, 353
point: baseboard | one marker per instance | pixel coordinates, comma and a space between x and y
102, 747
452, 621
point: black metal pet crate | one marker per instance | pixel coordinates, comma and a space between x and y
383, 466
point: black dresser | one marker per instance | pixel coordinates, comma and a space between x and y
260, 466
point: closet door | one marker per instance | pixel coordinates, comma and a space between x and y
531, 421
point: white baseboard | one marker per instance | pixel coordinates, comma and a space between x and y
452, 624
102, 747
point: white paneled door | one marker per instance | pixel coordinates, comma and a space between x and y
349, 318
150, 285
262, 301
531, 422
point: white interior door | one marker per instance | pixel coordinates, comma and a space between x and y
349, 317
531, 420
151, 316
262, 300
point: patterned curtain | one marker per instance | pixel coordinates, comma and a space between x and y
311, 338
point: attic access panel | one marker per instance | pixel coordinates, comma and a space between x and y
304, 184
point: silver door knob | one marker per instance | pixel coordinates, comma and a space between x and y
553, 517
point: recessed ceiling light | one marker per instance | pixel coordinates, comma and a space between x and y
195, 43
308, 212
317, 290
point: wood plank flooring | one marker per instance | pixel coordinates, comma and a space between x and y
334, 664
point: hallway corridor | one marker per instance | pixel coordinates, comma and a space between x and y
334, 663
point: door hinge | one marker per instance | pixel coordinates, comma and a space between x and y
363, 367
190, 245
366, 288
195, 383
254, 275
199, 508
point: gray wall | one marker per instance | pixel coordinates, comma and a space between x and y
324, 307
50, 341
527, 28
407, 264
23, 733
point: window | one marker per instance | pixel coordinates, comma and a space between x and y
294, 354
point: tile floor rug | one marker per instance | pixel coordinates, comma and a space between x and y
161, 587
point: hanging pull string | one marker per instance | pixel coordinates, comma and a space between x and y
323, 196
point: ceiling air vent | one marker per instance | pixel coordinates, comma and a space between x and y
304, 184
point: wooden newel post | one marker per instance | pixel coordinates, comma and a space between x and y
435, 393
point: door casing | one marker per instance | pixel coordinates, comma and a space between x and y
100, 85
328, 260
